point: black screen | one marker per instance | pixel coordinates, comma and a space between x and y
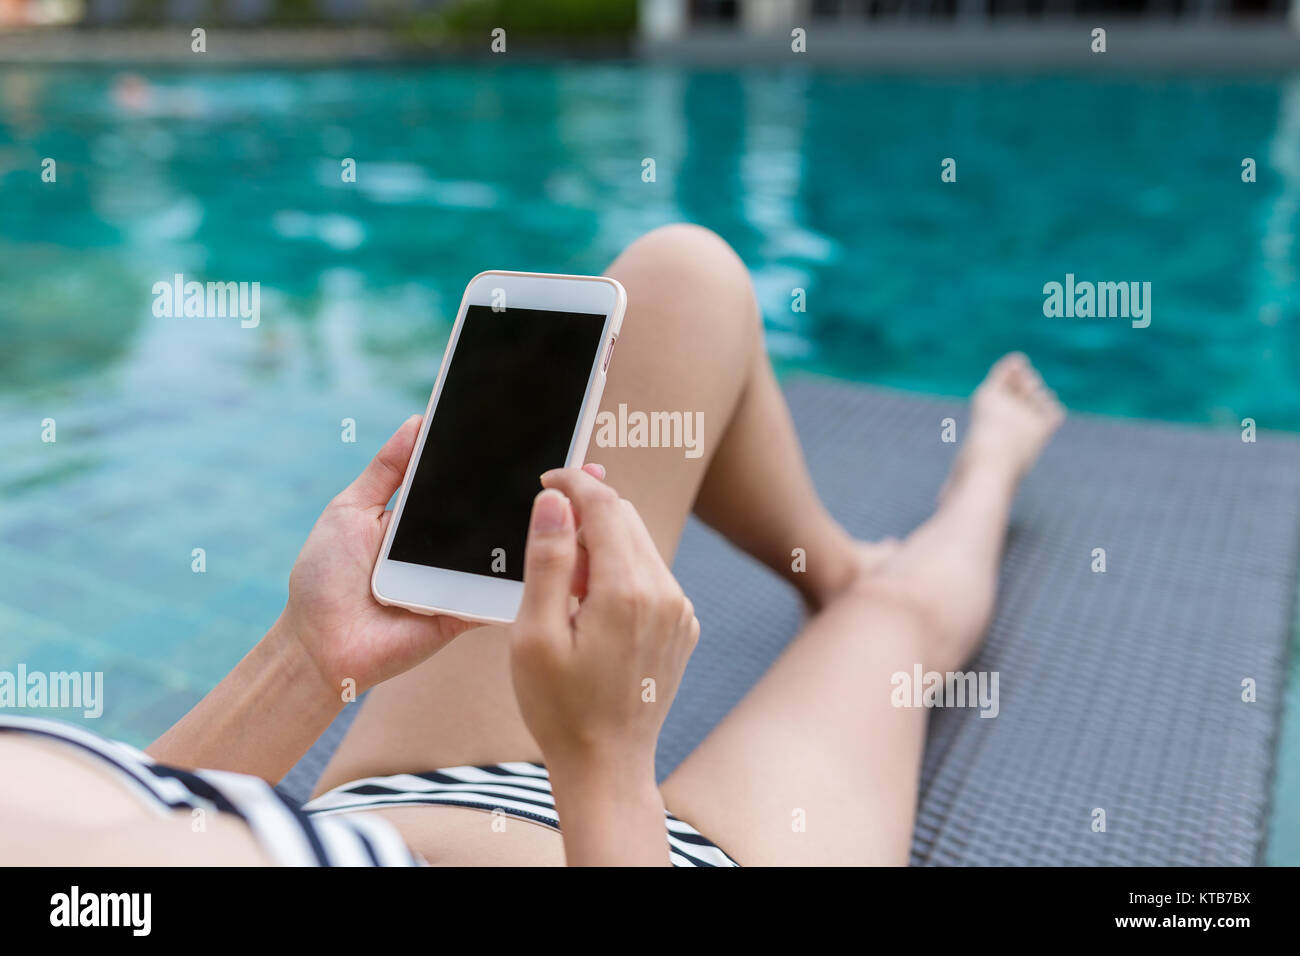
508, 412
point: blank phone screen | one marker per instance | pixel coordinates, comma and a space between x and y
508, 412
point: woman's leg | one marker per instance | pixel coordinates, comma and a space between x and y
691, 342
815, 766
817, 735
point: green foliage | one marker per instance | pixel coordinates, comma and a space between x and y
157, 13
538, 17
458, 18
294, 12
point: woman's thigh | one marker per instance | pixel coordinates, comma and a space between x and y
815, 766
687, 346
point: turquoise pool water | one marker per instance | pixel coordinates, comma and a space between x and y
175, 434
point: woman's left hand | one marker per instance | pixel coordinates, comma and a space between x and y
346, 633
332, 643
331, 613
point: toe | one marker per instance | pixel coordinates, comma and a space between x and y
1006, 368
1022, 380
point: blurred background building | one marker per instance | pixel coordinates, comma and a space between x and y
658, 19
864, 33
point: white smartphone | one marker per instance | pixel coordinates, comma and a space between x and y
517, 395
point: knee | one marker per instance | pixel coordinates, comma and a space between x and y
685, 246
691, 274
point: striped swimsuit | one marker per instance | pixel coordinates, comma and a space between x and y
289, 836
521, 790
327, 831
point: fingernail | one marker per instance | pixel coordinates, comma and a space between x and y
549, 512
599, 468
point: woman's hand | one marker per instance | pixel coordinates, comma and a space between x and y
265, 713
594, 685
347, 633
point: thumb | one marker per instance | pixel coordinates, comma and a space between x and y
549, 559
383, 476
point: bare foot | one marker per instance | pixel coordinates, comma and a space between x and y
1013, 414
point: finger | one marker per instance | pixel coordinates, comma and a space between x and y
383, 476
584, 490
549, 559
596, 471
639, 534
649, 562
604, 521
578, 585
641, 545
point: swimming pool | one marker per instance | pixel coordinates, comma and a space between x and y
176, 434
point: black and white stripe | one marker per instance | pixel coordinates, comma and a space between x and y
289, 836
323, 833
521, 790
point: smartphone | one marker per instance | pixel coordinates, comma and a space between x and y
517, 395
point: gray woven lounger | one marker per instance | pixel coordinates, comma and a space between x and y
1119, 691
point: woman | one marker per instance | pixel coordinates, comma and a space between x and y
463, 739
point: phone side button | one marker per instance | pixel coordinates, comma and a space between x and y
609, 353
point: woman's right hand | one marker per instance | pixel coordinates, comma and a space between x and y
594, 684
